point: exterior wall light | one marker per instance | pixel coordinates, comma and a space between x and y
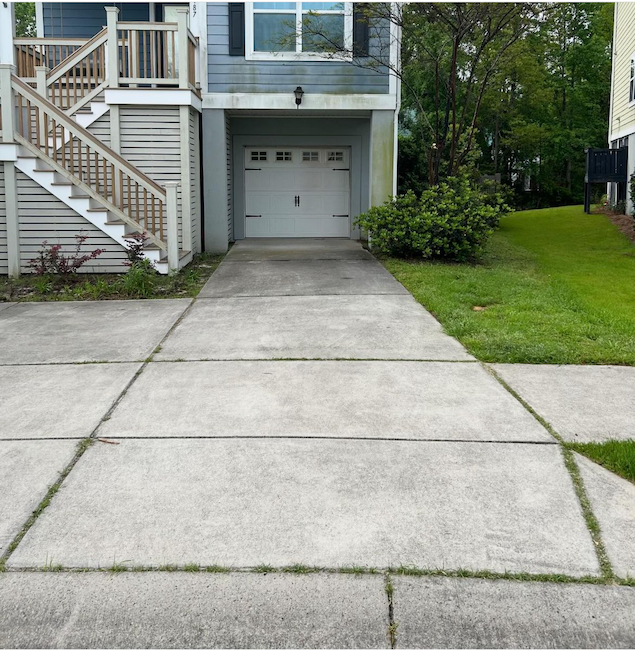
298, 92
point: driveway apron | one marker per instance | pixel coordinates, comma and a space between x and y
305, 409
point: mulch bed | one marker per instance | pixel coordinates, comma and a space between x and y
624, 223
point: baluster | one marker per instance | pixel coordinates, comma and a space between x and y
129, 196
145, 207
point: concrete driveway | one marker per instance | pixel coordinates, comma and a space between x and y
270, 454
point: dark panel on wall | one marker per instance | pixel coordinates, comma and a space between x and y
361, 38
236, 29
85, 19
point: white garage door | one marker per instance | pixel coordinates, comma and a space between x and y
297, 192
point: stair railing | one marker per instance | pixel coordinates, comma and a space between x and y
80, 77
82, 158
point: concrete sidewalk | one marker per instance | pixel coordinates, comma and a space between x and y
303, 412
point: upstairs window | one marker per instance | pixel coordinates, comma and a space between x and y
298, 30
631, 87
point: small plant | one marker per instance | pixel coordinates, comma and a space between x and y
450, 221
139, 281
51, 260
632, 192
135, 244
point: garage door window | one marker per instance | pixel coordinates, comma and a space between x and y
335, 156
258, 156
284, 156
310, 156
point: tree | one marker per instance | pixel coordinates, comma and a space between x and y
25, 19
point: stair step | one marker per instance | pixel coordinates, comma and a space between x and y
43, 171
97, 210
62, 183
79, 196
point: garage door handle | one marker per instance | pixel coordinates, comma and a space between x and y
253, 169
341, 215
253, 216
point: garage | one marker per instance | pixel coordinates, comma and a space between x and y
297, 192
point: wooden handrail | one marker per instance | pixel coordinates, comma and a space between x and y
145, 26
83, 135
76, 56
24, 40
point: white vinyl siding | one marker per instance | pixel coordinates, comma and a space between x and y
44, 217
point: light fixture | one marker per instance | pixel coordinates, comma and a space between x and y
298, 92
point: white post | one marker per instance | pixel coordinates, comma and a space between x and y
172, 210
183, 51
40, 77
7, 32
112, 47
186, 181
7, 103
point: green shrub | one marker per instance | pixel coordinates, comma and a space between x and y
451, 221
139, 281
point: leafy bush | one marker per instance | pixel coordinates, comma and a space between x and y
451, 221
50, 259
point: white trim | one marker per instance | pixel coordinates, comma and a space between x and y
310, 101
39, 19
298, 55
152, 97
198, 27
622, 133
8, 151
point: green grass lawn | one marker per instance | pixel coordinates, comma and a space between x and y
616, 455
558, 286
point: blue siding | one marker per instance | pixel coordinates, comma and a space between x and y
233, 74
85, 19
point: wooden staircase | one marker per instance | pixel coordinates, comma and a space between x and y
51, 110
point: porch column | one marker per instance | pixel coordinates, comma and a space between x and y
215, 171
382, 156
7, 32
112, 47
8, 155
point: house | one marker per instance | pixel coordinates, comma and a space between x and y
622, 111
222, 121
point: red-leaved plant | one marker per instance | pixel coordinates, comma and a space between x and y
50, 259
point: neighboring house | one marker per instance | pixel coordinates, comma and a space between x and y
198, 140
622, 112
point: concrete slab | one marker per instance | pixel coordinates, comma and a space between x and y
68, 332
6, 305
469, 613
401, 399
329, 503
300, 278
60, 401
613, 502
27, 469
159, 610
311, 327
582, 403
297, 249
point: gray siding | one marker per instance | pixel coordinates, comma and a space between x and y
44, 217
230, 211
195, 180
151, 141
4, 266
233, 74
85, 19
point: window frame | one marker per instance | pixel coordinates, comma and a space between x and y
631, 81
252, 55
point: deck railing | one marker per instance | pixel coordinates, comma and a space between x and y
124, 54
49, 52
